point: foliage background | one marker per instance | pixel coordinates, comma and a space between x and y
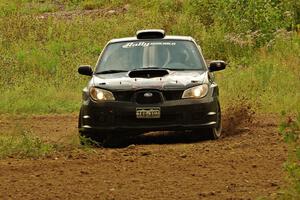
42, 42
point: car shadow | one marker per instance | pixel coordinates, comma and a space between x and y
159, 137
172, 137
168, 137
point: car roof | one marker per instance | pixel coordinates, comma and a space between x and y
167, 37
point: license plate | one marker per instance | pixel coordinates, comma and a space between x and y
148, 113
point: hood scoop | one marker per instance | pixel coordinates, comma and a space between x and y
148, 73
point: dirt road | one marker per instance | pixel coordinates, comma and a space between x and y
246, 164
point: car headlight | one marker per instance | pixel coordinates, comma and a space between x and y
98, 94
196, 92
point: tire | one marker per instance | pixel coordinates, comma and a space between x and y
115, 140
89, 138
216, 133
92, 138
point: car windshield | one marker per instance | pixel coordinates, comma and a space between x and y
166, 54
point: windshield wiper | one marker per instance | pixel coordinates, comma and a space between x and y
146, 68
111, 71
176, 69
181, 69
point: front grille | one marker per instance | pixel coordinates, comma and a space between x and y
172, 95
123, 95
148, 97
168, 95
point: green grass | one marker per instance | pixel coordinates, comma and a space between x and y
22, 144
39, 56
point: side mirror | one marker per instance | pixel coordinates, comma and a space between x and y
85, 70
217, 65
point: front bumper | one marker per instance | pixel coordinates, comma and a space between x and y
183, 114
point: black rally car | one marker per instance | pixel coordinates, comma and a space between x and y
150, 82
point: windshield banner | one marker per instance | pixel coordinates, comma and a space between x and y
147, 44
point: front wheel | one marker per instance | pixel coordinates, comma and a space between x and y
89, 138
216, 132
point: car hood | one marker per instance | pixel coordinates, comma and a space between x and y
173, 80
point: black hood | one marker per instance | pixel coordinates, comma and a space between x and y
165, 81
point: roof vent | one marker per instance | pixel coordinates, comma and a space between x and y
150, 34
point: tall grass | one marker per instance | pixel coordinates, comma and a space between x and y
290, 130
270, 78
39, 53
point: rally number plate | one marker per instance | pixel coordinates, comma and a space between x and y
148, 113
